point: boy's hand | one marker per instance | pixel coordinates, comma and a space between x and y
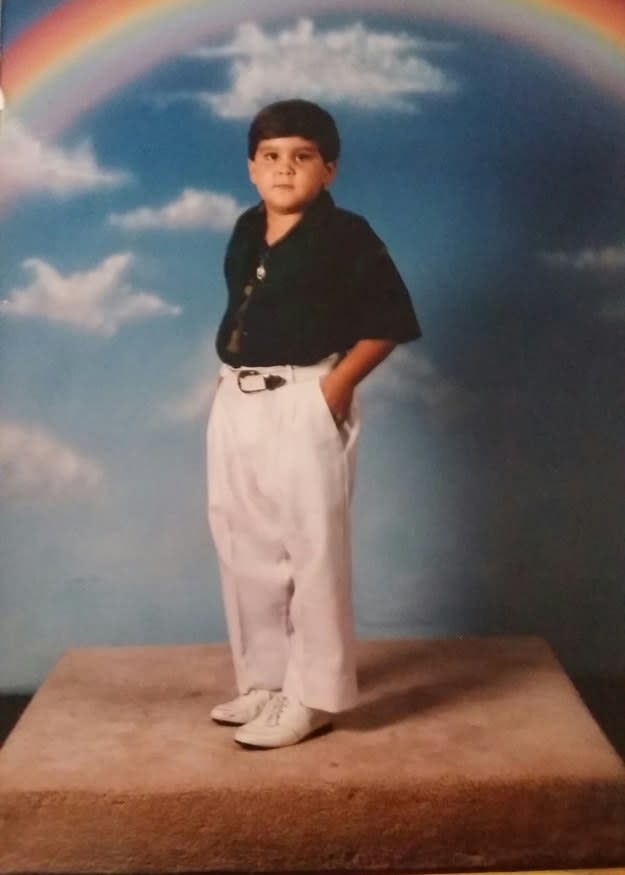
338, 385
338, 393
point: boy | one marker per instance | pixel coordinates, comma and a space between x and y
314, 304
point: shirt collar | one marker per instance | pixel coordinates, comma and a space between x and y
315, 213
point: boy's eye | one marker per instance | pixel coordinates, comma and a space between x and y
298, 157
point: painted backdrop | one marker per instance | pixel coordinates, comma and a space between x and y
484, 142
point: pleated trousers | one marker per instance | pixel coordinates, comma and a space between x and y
280, 479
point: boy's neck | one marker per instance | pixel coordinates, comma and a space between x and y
279, 225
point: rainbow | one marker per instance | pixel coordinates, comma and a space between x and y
82, 51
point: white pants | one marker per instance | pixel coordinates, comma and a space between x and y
280, 476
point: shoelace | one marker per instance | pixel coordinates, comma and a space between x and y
276, 709
231, 708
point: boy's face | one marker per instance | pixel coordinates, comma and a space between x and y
289, 173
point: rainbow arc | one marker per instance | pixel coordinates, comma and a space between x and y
83, 51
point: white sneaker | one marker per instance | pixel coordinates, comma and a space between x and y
283, 721
242, 709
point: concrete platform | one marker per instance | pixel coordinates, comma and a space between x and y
464, 755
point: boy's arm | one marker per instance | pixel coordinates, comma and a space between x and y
339, 384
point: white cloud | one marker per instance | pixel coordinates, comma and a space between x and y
409, 377
96, 301
33, 464
192, 209
353, 66
29, 165
607, 258
194, 403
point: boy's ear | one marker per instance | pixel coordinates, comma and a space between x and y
250, 169
331, 170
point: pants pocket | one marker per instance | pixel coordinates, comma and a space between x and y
347, 431
322, 405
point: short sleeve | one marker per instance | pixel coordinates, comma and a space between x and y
383, 306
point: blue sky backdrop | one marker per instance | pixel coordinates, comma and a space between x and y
490, 489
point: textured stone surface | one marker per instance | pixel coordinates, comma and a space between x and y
464, 754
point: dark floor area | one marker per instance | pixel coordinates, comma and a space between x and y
11, 708
605, 698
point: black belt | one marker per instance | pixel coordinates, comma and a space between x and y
258, 382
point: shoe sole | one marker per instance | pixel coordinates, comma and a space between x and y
322, 730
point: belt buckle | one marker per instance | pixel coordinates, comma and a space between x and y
258, 383
262, 381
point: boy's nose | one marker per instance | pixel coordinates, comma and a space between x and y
285, 165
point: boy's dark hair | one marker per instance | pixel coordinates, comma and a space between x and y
295, 118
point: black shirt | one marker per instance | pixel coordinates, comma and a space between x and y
326, 284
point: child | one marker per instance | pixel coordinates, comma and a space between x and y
315, 303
